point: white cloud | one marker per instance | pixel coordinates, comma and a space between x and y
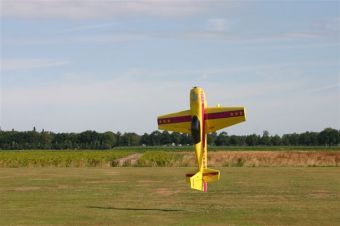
217, 25
127, 103
329, 25
117, 104
87, 9
13, 64
117, 37
91, 27
255, 38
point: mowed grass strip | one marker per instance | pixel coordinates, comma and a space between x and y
145, 196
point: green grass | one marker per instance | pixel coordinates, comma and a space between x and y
60, 158
229, 148
160, 158
112, 158
160, 196
210, 148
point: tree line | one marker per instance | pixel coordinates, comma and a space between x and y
16, 140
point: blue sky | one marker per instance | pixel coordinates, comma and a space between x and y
70, 66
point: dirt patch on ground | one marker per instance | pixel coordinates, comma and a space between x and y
164, 192
130, 160
106, 181
321, 194
28, 188
147, 181
111, 173
63, 186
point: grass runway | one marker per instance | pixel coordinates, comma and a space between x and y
160, 196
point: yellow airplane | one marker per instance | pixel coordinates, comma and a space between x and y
199, 121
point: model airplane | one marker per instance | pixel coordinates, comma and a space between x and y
198, 121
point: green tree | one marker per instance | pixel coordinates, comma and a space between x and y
212, 138
265, 139
186, 139
234, 140
276, 140
175, 138
155, 138
46, 139
252, 140
223, 139
285, 140
133, 139
107, 140
145, 139
165, 138
329, 137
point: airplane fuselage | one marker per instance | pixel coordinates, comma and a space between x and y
198, 103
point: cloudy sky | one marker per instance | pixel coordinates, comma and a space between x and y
70, 66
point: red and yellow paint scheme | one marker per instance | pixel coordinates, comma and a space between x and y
198, 121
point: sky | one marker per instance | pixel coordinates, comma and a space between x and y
71, 66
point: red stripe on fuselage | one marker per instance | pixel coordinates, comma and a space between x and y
224, 114
203, 120
178, 119
204, 174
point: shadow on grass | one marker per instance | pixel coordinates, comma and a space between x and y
135, 209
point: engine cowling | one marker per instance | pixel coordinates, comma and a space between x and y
196, 129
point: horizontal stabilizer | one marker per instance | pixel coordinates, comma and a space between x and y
211, 175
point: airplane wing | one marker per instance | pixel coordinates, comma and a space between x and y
178, 122
221, 117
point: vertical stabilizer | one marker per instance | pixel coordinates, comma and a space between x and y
196, 181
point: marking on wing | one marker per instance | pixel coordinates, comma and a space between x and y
178, 119
224, 114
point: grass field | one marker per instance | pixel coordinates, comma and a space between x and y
112, 158
160, 196
228, 148
60, 158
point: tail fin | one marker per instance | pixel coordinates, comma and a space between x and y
211, 175
196, 181
200, 179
